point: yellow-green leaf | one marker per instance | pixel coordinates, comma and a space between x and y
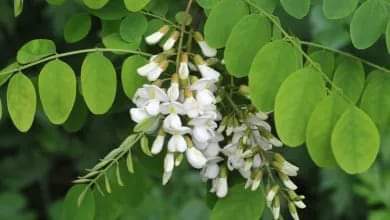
355, 141
35, 50
295, 102
131, 81
77, 27
246, 39
21, 101
57, 90
335, 9
296, 8
221, 21
98, 83
135, 5
95, 4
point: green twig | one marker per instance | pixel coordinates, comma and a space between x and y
60, 55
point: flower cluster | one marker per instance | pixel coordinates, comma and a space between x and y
188, 124
187, 106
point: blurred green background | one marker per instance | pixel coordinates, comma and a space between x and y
36, 169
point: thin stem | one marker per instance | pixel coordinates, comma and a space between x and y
160, 18
181, 41
56, 56
346, 54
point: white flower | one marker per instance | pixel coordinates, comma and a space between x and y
203, 129
205, 97
138, 114
195, 158
221, 187
166, 177
276, 208
206, 49
153, 69
202, 84
173, 91
172, 108
147, 93
276, 142
210, 171
300, 204
152, 107
177, 143
206, 71
287, 182
212, 149
183, 67
158, 144
271, 194
169, 162
171, 41
155, 37
257, 161
147, 68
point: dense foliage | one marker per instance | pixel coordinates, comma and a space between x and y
284, 59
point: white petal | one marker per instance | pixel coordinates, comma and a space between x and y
257, 161
177, 143
169, 44
171, 122
191, 107
154, 38
172, 108
289, 184
183, 70
155, 92
153, 107
274, 141
201, 134
166, 177
205, 97
203, 84
155, 73
212, 150
222, 187
211, 171
206, 49
138, 115
169, 162
207, 72
147, 68
196, 158
173, 91
158, 144
300, 204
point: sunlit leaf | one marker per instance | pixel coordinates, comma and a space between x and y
247, 37
295, 102
296, 8
35, 50
355, 141
271, 66
98, 83
57, 90
21, 101
135, 5
221, 21
326, 60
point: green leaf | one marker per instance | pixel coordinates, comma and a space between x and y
1, 109
239, 204
106, 207
145, 146
247, 37
129, 162
376, 99
114, 10
268, 5
21, 101
35, 50
5, 76
18, 7
77, 27
207, 4
223, 17
355, 141
296, 8
326, 60
57, 90
271, 66
350, 77
388, 37
72, 211
320, 127
147, 124
295, 101
131, 81
114, 41
368, 23
95, 4
136, 5
334, 9
98, 83
133, 27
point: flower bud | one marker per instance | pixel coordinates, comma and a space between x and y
170, 43
293, 211
138, 115
177, 143
276, 208
155, 37
195, 158
287, 181
205, 48
206, 71
183, 68
169, 162
158, 144
271, 194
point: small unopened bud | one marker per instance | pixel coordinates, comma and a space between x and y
183, 68
271, 194
170, 43
293, 211
276, 208
244, 90
155, 37
205, 48
287, 181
